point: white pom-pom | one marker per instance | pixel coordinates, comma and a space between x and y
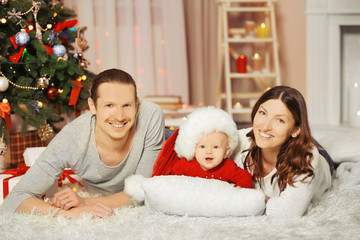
133, 187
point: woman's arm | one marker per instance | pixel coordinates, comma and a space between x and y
294, 201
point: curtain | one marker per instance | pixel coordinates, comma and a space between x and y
201, 29
146, 38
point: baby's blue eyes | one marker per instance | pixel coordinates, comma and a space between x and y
203, 146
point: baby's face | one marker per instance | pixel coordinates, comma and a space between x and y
211, 150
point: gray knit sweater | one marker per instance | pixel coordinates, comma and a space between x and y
74, 147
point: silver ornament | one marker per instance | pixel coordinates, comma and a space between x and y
22, 38
4, 84
42, 82
59, 50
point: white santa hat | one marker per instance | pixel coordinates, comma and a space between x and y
203, 121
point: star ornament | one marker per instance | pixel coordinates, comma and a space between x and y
37, 106
14, 14
52, 37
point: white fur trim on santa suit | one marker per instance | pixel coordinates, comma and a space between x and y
133, 188
203, 121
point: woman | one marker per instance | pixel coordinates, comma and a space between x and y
280, 155
120, 136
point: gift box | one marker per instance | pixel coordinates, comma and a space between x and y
18, 144
68, 177
7, 183
11, 177
31, 154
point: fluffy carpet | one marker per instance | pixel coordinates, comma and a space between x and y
336, 216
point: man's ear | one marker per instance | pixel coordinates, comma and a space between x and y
296, 132
92, 105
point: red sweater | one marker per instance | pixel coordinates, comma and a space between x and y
227, 171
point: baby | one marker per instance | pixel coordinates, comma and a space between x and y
204, 143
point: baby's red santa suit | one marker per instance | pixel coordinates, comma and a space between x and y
196, 196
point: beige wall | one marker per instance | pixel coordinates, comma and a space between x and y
290, 17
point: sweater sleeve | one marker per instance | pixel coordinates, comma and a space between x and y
239, 176
42, 175
294, 201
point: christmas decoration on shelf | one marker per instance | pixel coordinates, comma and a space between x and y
41, 55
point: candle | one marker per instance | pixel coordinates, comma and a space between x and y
249, 28
241, 64
237, 105
263, 31
256, 62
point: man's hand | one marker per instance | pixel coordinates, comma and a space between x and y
67, 199
98, 210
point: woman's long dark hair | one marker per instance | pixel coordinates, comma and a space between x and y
294, 158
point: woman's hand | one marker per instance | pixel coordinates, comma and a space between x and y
67, 199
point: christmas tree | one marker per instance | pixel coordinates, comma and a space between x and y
43, 73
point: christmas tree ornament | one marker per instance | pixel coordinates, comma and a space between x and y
3, 20
22, 38
14, 14
59, 50
37, 106
42, 82
82, 64
37, 25
52, 37
3, 147
52, 93
46, 132
4, 2
4, 84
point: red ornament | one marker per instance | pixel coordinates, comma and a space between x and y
242, 64
52, 93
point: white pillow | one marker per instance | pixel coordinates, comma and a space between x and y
181, 195
342, 144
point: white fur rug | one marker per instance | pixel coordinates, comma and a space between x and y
336, 216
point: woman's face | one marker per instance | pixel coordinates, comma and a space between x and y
115, 110
273, 125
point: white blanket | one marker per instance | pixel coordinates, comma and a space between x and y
335, 216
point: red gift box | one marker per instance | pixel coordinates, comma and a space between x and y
9, 179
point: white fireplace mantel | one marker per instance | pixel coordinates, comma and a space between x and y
323, 56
